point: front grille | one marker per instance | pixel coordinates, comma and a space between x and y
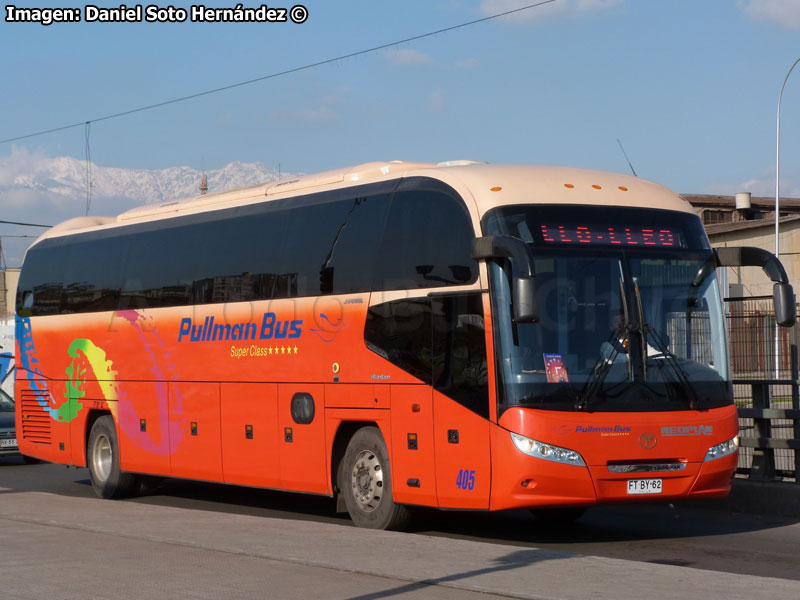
648, 467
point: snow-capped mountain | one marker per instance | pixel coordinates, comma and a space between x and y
65, 177
43, 190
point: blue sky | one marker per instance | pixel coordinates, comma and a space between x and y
690, 87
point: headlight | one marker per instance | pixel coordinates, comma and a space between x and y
547, 451
723, 449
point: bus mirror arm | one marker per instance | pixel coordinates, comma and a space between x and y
523, 285
782, 292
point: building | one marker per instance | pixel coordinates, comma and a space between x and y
716, 210
750, 281
751, 222
8, 291
748, 291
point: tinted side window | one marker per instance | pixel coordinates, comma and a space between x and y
343, 241
318, 248
439, 340
93, 274
319, 243
349, 266
238, 259
160, 268
400, 332
41, 282
427, 241
312, 234
460, 369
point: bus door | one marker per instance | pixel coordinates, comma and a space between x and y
461, 401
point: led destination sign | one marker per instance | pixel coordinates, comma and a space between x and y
611, 235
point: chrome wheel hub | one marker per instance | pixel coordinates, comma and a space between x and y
102, 457
367, 480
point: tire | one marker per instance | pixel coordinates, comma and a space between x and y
366, 483
559, 516
148, 485
102, 455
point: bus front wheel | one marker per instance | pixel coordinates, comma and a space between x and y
367, 483
108, 480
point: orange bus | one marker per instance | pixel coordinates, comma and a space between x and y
460, 335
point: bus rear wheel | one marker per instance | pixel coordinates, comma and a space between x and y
367, 483
102, 453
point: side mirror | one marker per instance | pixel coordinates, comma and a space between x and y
523, 277
782, 293
783, 297
526, 309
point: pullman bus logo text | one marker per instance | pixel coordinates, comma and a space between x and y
604, 429
270, 328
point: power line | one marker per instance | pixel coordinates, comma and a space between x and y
24, 224
279, 74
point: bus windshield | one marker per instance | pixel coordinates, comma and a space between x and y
622, 326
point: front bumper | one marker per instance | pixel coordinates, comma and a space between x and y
522, 481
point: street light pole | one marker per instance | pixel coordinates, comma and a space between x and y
778, 201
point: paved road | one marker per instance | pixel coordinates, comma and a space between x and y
671, 551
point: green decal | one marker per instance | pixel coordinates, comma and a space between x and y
105, 375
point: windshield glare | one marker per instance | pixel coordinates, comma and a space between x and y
619, 329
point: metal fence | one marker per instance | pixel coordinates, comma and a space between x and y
751, 339
768, 403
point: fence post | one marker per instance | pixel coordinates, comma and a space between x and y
795, 396
763, 468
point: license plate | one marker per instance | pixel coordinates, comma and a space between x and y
8, 443
644, 486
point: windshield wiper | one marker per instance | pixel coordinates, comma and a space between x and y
672, 362
669, 357
603, 365
601, 368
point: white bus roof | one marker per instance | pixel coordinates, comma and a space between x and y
487, 185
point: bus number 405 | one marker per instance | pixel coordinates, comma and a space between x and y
465, 480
